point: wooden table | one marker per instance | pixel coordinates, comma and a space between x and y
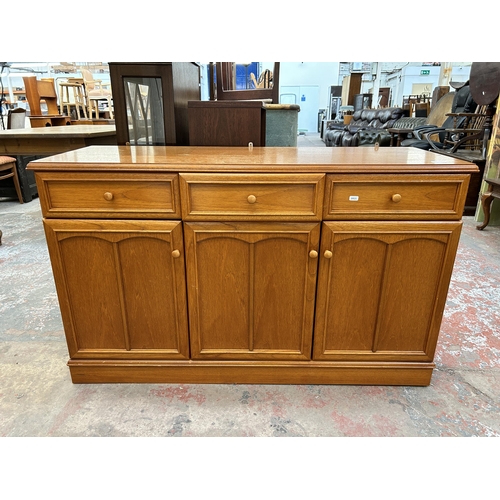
54, 140
32, 143
399, 134
487, 199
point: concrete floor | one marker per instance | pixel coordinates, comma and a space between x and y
37, 398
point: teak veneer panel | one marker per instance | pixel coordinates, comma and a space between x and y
218, 372
252, 196
115, 303
251, 289
263, 265
381, 292
389, 197
266, 160
125, 195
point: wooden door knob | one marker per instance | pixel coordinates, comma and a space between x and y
396, 198
108, 196
176, 254
313, 254
328, 254
252, 199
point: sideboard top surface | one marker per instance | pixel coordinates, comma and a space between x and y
244, 159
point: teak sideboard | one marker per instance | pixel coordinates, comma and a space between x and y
252, 265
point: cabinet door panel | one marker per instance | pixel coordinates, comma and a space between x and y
92, 290
410, 292
352, 292
382, 291
251, 289
124, 277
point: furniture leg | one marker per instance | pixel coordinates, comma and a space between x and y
110, 106
81, 101
15, 178
486, 201
62, 99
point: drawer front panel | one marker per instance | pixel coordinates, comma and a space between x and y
405, 197
138, 196
213, 197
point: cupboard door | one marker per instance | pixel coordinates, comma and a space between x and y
121, 288
382, 289
251, 289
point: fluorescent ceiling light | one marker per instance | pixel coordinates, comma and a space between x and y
20, 74
28, 64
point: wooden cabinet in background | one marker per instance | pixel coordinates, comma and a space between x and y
264, 265
150, 101
226, 123
351, 86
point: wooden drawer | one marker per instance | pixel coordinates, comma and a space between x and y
106, 195
401, 197
213, 197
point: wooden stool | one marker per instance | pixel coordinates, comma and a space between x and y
78, 100
487, 199
8, 164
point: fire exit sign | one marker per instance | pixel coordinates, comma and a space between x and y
425, 71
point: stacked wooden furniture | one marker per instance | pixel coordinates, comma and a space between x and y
270, 265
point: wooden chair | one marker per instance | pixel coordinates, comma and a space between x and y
265, 80
406, 130
75, 98
96, 91
468, 136
16, 118
43, 90
461, 102
8, 169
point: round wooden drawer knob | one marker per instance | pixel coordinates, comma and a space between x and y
313, 254
176, 254
328, 254
108, 196
252, 199
396, 198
